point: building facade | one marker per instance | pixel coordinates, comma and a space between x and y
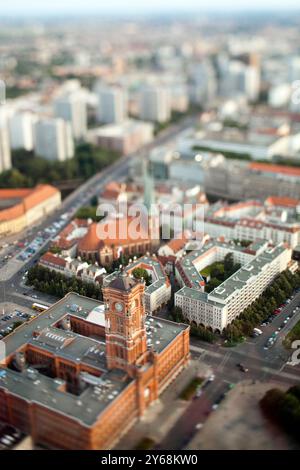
73, 109
21, 208
112, 106
53, 139
217, 309
87, 370
155, 104
5, 154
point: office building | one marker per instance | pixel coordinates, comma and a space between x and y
81, 374
53, 139
73, 109
155, 104
126, 137
112, 105
5, 153
217, 309
21, 130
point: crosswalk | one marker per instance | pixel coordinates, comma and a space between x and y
263, 369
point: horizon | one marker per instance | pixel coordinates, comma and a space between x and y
35, 8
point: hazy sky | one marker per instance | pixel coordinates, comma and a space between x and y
107, 6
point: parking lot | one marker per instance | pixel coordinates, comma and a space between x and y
40, 240
9, 437
280, 322
23, 251
11, 316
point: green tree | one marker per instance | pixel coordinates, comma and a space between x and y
140, 273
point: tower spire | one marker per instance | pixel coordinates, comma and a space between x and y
125, 334
149, 197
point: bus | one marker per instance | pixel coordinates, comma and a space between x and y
39, 307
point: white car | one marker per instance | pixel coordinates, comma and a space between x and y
199, 426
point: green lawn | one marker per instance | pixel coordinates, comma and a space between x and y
191, 389
208, 269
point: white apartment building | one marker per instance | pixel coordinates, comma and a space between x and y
73, 109
112, 105
241, 78
188, 268
5, 154
253, 229
21, 130
203, 83
53, 139
225, 303
155, 104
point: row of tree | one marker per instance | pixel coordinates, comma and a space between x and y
54, 283
284, 408
220, 271
29, 169
277, 292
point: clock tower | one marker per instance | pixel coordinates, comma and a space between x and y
125, 334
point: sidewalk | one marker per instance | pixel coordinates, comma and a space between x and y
163, 414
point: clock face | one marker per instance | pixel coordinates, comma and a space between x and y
119, 306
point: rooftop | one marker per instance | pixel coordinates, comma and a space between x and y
85, 408
151, 265
278, 169
188, 265
19, 201
237, 281
100, 391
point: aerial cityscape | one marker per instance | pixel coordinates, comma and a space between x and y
149, 228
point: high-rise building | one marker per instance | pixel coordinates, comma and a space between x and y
203, 83
73, 109
53, 139
149, 193
126, 340
21, 127
155, 104
240, 78
112, 107
5, 154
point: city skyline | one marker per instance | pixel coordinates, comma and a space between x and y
117, 7
149, 192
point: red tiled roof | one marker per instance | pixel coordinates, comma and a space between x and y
269, 168
61, 241
282, 201
177, 244
28, 199
91, 242
50, 258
